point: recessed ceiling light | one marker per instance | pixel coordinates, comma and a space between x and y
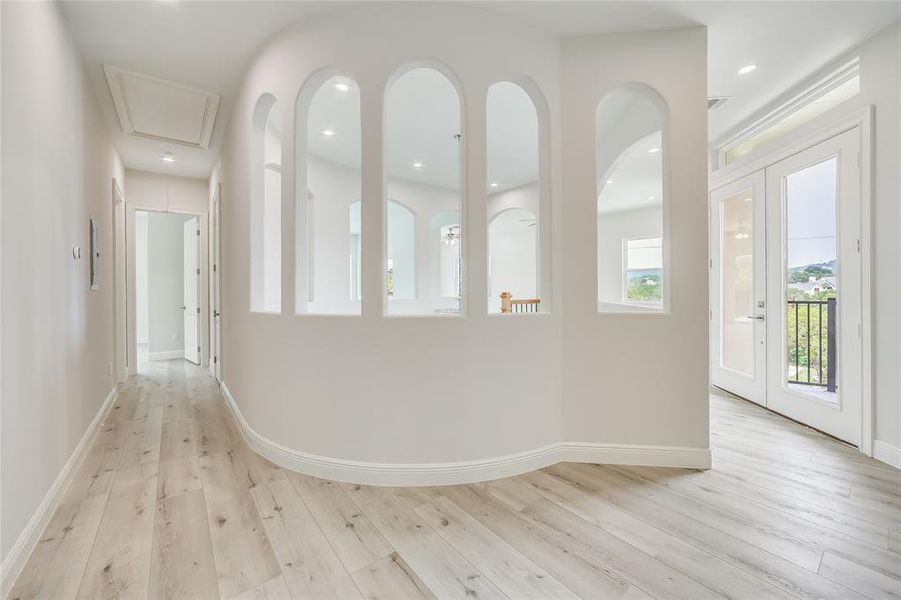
167, 157
417, 165
650, 197
342, 87
746, 69
609, 181
747, 199
654, 150
494, 184
328, 132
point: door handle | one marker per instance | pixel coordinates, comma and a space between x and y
757, 318
216, 313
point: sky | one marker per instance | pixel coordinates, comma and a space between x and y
811, 211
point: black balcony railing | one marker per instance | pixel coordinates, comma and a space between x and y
812, 347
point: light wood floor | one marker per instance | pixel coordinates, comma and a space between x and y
170, 503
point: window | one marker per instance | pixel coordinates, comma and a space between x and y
826, 94
266, 208
513, 194
422, 172
631, 239
643, 270
329, 168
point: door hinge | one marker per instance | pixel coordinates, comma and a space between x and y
198, 348
198, 271
711, 263
858, 244
198, 310
198, 233
215, 359
214, 268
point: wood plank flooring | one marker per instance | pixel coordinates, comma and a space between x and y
170, 503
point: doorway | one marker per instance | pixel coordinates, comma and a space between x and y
167, 287
786, 281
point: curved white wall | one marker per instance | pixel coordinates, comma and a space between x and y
429, 399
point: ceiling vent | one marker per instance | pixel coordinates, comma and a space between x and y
716, 102
162, 110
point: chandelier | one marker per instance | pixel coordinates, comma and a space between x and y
452, 235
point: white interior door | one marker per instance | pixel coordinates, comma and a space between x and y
214, 284
813, 216
738, 288
191, 304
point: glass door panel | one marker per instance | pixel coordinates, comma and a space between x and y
738, 295
738, 283
811, 279
813, 286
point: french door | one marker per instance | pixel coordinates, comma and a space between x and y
738, 288
786, 287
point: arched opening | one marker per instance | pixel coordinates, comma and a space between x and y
513, 173
266, 207
423, 173
329, 166
631, 202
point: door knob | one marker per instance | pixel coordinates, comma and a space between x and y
216, 313
757, 318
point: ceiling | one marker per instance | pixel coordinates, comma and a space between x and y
208, 46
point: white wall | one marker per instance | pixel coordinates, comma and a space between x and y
165, 282
429, 389
395, 363
142, 328
638, 378
183, 196
58, 164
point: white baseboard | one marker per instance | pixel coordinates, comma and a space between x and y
167, 355
18, 555
887, 453
419, 474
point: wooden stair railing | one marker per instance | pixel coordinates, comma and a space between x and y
526, 305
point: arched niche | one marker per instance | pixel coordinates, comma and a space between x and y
265, 206
423, 172
328, 181
514, 203
632, 208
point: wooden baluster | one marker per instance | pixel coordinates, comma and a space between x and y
506, 305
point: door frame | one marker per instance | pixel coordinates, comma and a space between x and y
800, 140
215, 275
121, 330
130, 210
198, 286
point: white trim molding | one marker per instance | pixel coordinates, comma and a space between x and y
887, 453
448, 473
18, 555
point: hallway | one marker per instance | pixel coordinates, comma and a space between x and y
171, 503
